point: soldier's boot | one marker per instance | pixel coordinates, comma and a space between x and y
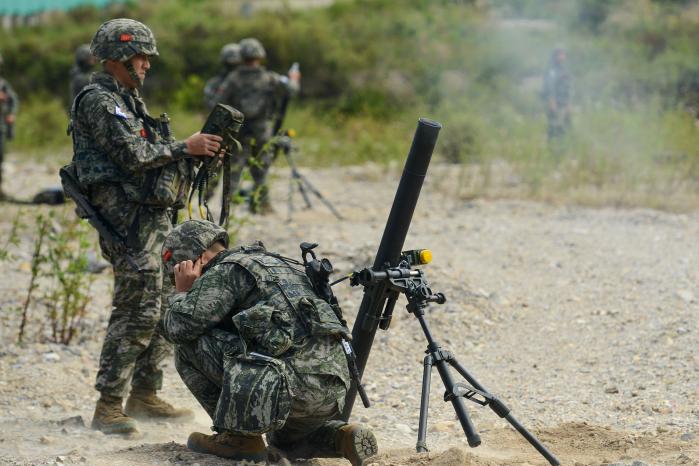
356, 443
145, 404
228, 445
109, 417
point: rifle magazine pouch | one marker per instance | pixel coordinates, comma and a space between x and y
266, 329
255, 396
320, 318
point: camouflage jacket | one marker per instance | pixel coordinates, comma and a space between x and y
11, 103
79, 78
256, 92
118, 153
271, 305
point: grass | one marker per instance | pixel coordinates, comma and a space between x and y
476, 68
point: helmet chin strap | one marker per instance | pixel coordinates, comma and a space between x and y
132, 73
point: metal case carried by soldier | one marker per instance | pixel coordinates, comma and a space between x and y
224, 121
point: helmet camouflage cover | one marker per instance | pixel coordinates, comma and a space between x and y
230, 54
121, 39
189, 240
251, 48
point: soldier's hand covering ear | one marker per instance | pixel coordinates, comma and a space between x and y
203, 144
185, 274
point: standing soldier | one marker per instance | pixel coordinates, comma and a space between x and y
133, 175
556, 94
230, 59
256, 92
9, 104
81, 70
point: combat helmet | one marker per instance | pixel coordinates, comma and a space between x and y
230, 54
251, 48
121, 39
189, 240
83, 56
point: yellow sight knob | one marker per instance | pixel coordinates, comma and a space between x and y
425, 256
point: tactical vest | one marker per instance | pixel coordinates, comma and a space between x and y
164, 186
252, 91
300, 312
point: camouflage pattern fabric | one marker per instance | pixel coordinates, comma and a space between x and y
230, 59
122, 38
129, 175
79, 78
81, 71
190, 240
245, 304
256, 92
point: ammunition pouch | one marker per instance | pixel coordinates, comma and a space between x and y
265, 329
255, 396
320, 318
166, 186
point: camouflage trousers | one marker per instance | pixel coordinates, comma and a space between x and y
134, 347
309, 429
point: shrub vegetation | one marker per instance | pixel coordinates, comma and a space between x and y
371, 67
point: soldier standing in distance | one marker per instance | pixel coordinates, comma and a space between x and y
259, 349
82, 69
256, 92
9, 104
556, 94
133, 178
230, 59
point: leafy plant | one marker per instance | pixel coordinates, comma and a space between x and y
59, 271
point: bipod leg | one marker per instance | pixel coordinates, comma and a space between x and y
290, 199
321, 197
421, 445
302, 189
305, 184
441, 359
503, 411
296, 177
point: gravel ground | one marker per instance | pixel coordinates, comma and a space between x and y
583, 320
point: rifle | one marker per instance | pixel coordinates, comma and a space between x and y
85, 210
393, 274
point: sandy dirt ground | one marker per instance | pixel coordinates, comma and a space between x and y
583, 320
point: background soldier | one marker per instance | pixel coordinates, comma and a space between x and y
81, 70
9, 104
230, 59
256, 92
133, 178
258, 349
557, 93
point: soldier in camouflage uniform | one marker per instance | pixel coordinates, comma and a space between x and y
9, 104
133, 178
230, 59
256, 92
556, 94
81, 70
259, 350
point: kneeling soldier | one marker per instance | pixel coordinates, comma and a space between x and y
258, 349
